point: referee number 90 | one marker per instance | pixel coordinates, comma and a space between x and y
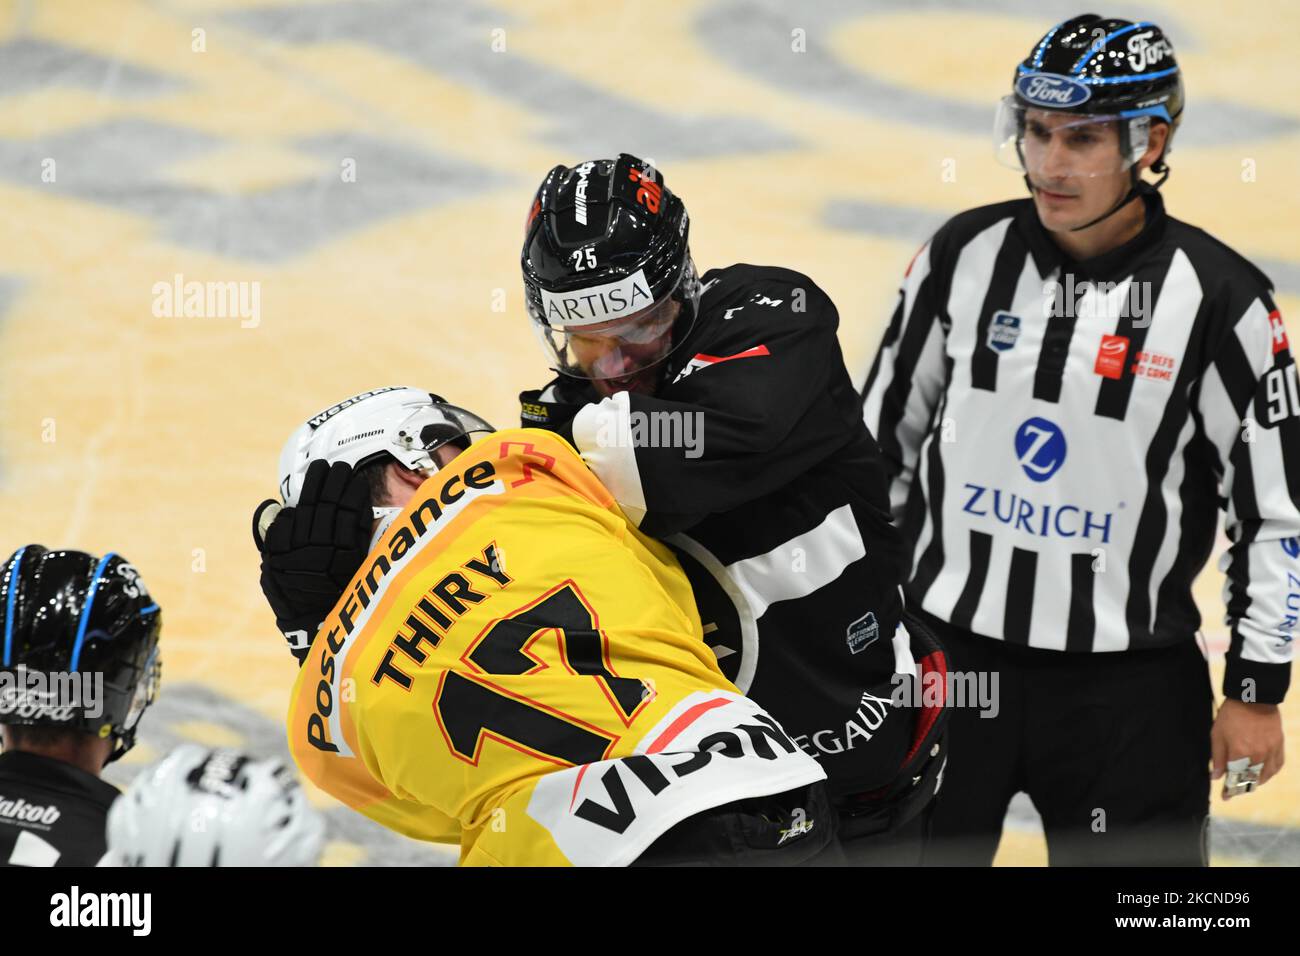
1282, 392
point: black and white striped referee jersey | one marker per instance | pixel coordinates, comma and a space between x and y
1062, 435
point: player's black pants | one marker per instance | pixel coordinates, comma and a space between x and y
1113, 749
797, 828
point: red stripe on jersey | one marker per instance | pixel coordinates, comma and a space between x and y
908, 271
748, 353
684, 721
576, 784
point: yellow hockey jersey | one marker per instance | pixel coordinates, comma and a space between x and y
516, 668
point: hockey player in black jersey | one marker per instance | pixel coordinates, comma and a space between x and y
78, 667
718, 410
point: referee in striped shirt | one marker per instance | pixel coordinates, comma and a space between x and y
1071, 387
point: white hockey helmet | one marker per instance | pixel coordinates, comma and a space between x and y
206, 807
406, 423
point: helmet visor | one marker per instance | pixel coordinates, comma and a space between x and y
146, 691
1054, 146
417, 438
623, 347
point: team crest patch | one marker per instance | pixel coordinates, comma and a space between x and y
863, 633
1003, 331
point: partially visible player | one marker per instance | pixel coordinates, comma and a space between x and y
517, 669
214, 807
78, 667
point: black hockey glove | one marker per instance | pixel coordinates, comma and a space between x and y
556, 412
311, 551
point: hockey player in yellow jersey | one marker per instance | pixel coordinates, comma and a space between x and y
515, 667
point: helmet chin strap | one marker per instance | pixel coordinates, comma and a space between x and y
385, 518
1135, 182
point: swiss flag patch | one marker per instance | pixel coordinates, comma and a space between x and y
1111, 355
1278, 331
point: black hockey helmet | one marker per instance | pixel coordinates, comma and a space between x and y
1097, 70
605, 258
68, 613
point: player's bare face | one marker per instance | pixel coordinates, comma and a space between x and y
1074, 168
623, 355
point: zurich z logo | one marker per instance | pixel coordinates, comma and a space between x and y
1051, 90
1040, 447
1291, 546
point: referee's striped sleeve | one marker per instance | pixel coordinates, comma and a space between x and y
1250, 405
907, 377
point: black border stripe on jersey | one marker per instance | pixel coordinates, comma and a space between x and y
1240, 383
1007, 268
1052, 355
1114, 394
1238, 579
1153, 519
963, 612
1081, 628
928, 567
914, 510
1236, 373
1175, 607
892, 332
1289, 442
1239, 567
1239, 576
1020, 596
912, 336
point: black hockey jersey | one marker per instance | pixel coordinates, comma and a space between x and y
51, 813
753, 461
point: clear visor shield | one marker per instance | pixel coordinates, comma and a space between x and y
146, 691
623, 347
1053, 146
418, 437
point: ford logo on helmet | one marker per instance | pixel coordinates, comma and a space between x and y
1051, 90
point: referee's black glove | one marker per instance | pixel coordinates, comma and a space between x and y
311, 551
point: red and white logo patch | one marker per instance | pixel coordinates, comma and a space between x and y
1278, 331
704, 361
1111, 355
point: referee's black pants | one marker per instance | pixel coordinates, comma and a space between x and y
1113, 749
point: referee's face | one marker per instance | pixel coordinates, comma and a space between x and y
1074, 166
